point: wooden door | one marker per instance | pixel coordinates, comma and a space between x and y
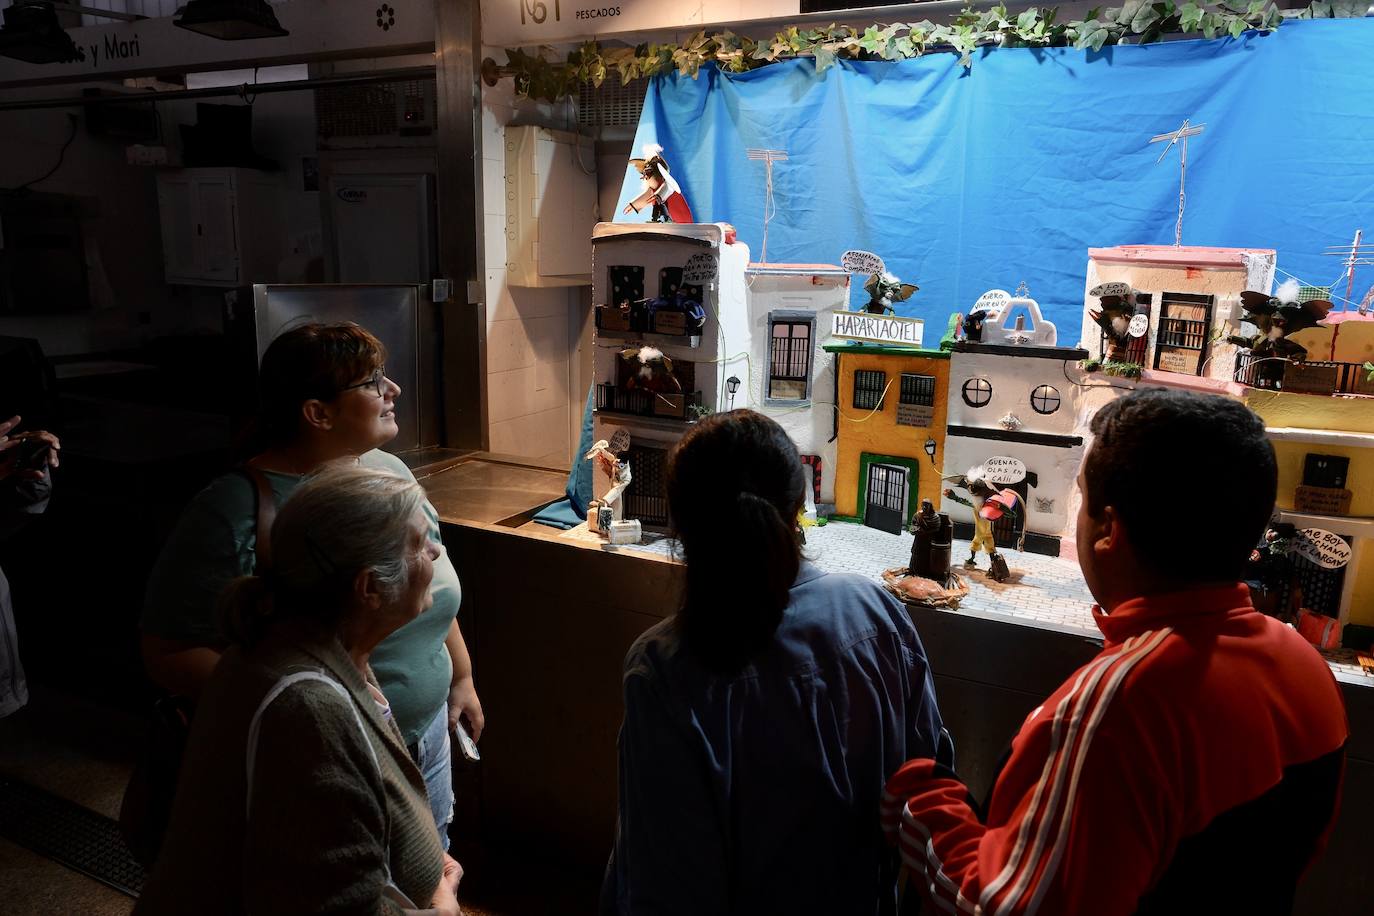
886, 507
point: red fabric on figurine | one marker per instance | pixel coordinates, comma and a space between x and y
997, 504
1318, 629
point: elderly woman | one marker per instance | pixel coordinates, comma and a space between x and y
762, 720
324, 395
297, 793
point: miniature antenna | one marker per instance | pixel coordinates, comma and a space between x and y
767, 157
1356, 254
1180, 137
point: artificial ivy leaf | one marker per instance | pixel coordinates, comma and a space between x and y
825, 58
1348, 9
1146, 15
1189, 16
905, 47
873, 41
1321, 10
1091, 35
1273, 18
1236, 28
1128, 11
1027, 19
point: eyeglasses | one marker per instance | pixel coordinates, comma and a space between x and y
375, 381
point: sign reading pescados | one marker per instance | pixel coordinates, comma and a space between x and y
879, 328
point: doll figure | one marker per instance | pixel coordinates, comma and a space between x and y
1275, 317
660, 189
608, 457
1114, 318
988, 505
884, 289
932, 533
973, 325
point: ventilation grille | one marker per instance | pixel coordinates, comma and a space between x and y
613, 105
401, 108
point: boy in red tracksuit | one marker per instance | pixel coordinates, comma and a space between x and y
1193, 766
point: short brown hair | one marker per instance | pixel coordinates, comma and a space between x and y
311, 361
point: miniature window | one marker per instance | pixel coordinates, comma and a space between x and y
789, 360
627, 284
977, 392
916, 406
1045, 399
868, 389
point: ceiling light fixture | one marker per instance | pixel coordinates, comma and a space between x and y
31, 33
230, 20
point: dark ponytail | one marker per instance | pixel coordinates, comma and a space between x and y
735, 487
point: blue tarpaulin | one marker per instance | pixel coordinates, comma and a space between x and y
965, 180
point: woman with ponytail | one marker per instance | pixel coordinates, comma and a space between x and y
297, 794
762, 720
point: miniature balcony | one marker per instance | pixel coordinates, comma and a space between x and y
642, 403
1310, 377
666, 323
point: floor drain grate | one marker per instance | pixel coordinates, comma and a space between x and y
65, 832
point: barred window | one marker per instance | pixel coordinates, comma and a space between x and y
918, 390
789, 360
868, 389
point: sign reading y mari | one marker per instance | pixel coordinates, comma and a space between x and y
879, 328
508, 23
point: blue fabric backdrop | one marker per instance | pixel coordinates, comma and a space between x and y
966, 180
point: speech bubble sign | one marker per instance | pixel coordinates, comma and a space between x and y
991, 301
1327, 550
1138, 326
700, 268
1004, 471
862, 262
1110, 289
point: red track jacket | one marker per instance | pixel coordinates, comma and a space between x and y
1193, 766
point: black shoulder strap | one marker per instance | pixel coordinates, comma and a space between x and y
266, 512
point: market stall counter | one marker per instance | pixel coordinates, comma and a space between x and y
550, 615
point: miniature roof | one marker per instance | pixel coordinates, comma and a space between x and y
712, 234
1177, 256
767, 269
880, 349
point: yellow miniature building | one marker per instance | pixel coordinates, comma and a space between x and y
890, 423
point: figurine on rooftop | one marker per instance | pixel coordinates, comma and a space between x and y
988, 505
1275, 318
884, 289
973, 325
660, 189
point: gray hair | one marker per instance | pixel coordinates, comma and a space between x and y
341, 521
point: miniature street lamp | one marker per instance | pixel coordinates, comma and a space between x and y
930, 448
731, 386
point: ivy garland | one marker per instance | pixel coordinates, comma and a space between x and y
1137, 21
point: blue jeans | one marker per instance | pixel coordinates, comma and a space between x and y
433, 756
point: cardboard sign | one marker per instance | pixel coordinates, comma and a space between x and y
1110, 289
878, 328
699, 269
862, 262
1327, 550
1004, 471
991, 301
1138, 326
1181, 361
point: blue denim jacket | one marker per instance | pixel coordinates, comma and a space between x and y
759, 793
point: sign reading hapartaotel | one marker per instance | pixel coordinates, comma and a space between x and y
878, 328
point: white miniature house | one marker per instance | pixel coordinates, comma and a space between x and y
1013, 409
645, 278
790, 376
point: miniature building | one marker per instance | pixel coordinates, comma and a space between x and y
637, 275
1191, 296
1014, 396
791, 376
890, 426
1325, 451
1336, 353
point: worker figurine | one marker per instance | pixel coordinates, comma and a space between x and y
660, 189
932, 534
988, 504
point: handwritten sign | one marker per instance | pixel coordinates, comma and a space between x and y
1138, 326
879, 328
700, 268
1004, 471
1327, 550
1110, 289
992, 301
862, 262
1180, 361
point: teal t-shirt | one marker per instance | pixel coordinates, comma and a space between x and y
214, 543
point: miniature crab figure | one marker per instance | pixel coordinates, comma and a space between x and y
988, 504
1276, 317
884, 289
660, 189
1114, 317
609, 457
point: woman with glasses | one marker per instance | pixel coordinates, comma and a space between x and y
297, 794
324, 397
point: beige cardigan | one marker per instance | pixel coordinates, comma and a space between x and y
323, 820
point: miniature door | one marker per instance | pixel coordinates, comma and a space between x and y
1185, 322
886, 507
1007, 530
